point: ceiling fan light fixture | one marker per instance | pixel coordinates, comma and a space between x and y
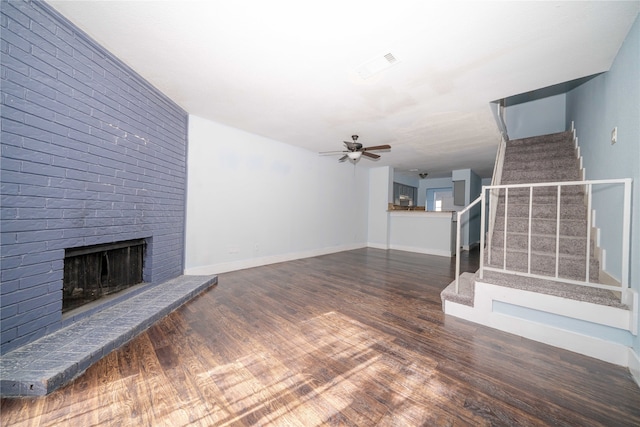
354, 155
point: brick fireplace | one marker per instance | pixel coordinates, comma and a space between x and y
92, 155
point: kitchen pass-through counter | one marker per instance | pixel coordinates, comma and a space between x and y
422, 231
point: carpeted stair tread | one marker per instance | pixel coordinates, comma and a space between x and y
568, 227
543, 228
540, 159
569, 266
539, 151
568, 192
466, 290
554, 141
552, 287
541, 197
553, 163
543, 139
543, 243
545, 158
539, 175
513, 253
548, 210
542, 152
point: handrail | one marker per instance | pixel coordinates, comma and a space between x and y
495, 180
498, 115
459, 216
497, 167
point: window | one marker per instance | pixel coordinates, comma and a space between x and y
440, 199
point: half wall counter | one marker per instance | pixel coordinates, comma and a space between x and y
422, 231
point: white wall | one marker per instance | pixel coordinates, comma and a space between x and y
254, 201
380, 194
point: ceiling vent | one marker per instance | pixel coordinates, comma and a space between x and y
376, 65
390, 58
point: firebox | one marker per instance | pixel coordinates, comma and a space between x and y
92, 272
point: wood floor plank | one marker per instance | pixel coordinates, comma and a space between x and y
290, 376
13, 412
187, 373
356, 338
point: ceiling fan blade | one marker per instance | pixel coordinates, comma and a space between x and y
343, 158
378, 147
370, 155
331, 153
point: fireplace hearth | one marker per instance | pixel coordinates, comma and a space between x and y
92, 272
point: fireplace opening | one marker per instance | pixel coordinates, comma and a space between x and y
92, 272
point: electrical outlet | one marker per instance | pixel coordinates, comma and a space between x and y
256, 248
234, 249
614, 135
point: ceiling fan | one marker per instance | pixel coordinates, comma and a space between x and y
355, 150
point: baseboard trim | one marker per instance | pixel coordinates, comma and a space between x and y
426, 251
378, 246
226, 267
634, 365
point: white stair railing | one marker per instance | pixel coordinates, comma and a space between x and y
625, 232
458, 242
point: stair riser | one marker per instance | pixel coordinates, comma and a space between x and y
544, 211
554, 138
545, 265
520, 198
539, 154
559, 139
525, 177
546, 191
568, 227
552, 164
540, 151
546, 244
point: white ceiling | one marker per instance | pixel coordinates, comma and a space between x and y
287, 69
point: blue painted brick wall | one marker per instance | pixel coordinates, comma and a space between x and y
91, 153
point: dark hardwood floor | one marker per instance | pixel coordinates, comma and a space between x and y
356, 339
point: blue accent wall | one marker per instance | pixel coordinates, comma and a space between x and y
607, 101
91, 154
536, 117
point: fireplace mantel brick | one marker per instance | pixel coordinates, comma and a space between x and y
91, 154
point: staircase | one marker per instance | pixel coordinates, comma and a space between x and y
547, 158
534, 273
